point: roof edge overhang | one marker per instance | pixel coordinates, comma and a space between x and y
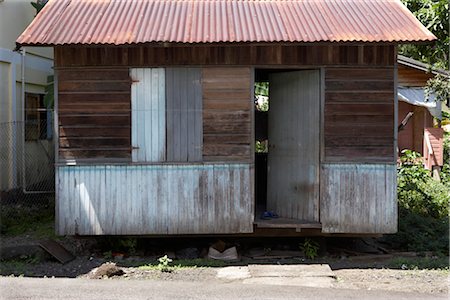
224, 43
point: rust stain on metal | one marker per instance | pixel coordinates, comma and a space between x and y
119, 22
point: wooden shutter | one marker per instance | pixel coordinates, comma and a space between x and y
148, 133
184, 114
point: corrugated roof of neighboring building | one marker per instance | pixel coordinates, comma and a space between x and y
120, 22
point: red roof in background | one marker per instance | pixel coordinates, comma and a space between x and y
120, 22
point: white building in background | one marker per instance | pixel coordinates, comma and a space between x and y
15, 16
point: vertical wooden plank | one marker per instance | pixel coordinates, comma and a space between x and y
145, 192
358, 198
190, 114
211, 196
161, 115
183, 114
156, 199
395, 105
184, 136
103, 200
170, 107
197, 152
148, 114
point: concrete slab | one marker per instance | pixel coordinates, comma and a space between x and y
233, 273
292, 275
316, 270
319, 282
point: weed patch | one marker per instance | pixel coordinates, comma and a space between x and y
420, 263
423, 209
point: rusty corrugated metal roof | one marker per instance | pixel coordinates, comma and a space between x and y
120, 22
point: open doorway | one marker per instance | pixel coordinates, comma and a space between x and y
287, 137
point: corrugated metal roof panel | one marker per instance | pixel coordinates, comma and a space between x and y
120, 22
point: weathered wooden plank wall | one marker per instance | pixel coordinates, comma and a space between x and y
227, 114
148, 114
94, 113
359, 115
412, 77
358, 198
411, 137
238, 54
184, 114
155, 199
435, 137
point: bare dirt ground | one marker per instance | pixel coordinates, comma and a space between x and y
420, 281
354, 267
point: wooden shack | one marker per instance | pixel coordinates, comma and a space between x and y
155, 114
419, 132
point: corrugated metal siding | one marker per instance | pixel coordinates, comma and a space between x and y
120, 22
155, 199
293, 159
358, 198
148, 105
184, 114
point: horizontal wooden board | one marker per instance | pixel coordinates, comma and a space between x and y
95, 142
368, 74
213, 74
224, 116
97, 131
374, 130
360, 153
226, 138
93, 74
227, 128
360, 97
103, 154
97, 109
227, 150
94, 120
359, 85
94, 86
341, 119
359, 109
220, 55
85, 97
234, 103
408, 76
341, 141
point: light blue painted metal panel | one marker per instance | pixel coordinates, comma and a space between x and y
148, 104
155, 199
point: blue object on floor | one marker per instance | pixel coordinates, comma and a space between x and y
267, 215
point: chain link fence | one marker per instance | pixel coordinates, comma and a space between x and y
27, 173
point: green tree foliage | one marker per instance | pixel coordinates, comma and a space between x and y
39, 5
434, 15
